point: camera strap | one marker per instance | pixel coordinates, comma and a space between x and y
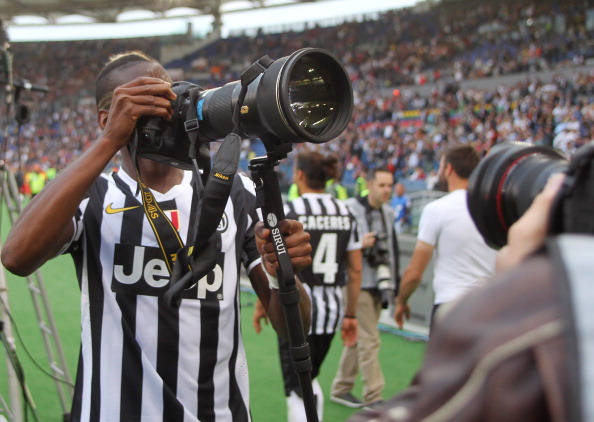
198, 258
368, 215
166, 234
216, 193
204, 243
247, 77
199, 152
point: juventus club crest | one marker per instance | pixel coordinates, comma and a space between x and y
223, 224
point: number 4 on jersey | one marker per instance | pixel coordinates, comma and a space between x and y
324, 261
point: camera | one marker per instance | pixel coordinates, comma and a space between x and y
378, 254
504, 184
384, 285
377, 257
304, 97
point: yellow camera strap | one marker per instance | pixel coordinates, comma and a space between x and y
166, 234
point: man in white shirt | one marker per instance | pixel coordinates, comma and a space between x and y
447, 232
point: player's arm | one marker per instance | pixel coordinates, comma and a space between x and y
353, 287
299, 250
259, 317
413, 274
45, 225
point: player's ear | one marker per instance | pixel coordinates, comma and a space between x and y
102, 118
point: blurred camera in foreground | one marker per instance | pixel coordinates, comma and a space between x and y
304, 97
505, 182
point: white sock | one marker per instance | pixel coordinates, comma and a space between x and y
319, 395
295, 408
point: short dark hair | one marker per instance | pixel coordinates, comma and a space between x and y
318, 168
106, 83
463, 158
372, 172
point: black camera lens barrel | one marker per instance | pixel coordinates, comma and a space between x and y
304, 97
504, 184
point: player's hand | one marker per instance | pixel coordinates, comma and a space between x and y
349, 331
144, 96
401, 311
259, 316
296, 243
529, 232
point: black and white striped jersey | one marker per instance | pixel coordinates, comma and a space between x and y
333, 229
142, 359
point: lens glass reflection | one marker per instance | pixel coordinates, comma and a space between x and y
313, 95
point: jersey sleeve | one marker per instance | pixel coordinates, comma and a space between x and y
246, 202
78, 219
355, 239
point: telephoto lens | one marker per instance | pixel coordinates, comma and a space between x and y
304, 97
384, 285
504, 184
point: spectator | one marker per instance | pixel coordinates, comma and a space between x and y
402, 205
386, 122
35, 178
361, 184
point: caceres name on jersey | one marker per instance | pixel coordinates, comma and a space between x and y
325, 222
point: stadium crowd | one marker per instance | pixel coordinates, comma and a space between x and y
392, 125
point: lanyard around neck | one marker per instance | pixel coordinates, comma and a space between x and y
166, 234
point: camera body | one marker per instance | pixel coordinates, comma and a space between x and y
378, 254
504, 184
378, 258
304, 97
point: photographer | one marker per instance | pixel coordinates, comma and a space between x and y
447, 232
379, 283
141, 358
523, 353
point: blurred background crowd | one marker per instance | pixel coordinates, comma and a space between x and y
411, 72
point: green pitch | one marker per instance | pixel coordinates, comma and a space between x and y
399, 358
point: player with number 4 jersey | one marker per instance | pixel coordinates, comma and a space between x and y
336, 268
333, 230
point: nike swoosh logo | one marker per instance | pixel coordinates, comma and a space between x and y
111, 210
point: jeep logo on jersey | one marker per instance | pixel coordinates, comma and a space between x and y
141, 270
223, 224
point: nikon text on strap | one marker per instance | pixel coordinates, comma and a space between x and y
202, 254
186, 264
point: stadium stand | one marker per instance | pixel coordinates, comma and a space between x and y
408, 68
